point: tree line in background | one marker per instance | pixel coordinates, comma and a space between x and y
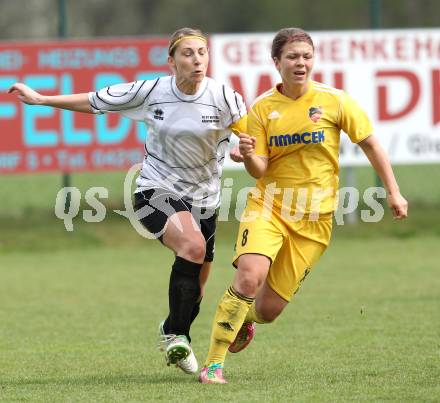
38, 19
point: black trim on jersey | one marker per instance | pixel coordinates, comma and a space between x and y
221, 141
227, 103
142, 176
155, 157
160, 174
152, 88
118, 96
115, 104
161, 177
175, 191
236, 103
94, 106
187, 102
180, 179
125, 103
177, 167
134, 96
198, 181
203, 198
172, 90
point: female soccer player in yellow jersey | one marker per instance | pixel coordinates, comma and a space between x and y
292, 149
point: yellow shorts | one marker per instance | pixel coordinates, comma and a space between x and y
292, 246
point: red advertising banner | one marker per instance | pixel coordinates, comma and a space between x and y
42, 139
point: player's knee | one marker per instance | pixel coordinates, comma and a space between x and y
193, 250
248, 280
248, 285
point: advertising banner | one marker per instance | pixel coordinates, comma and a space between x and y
393, 74
42, 139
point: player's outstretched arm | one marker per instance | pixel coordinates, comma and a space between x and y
254, 164
74, 102
381, 164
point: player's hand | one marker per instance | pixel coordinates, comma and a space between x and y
246, 145
235, 154
26, 94
398, 206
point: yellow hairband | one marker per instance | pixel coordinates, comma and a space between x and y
183, 38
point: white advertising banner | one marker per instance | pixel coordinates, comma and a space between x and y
393, 74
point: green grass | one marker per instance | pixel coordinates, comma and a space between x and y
79, 311
80, 325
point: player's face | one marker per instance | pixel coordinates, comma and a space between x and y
296, 63
190, 60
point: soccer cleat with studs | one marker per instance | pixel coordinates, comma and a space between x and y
243, 338
212, 373
178, 351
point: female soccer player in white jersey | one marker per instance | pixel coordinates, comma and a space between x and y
190, 118
292, 148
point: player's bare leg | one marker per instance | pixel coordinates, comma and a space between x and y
268, 305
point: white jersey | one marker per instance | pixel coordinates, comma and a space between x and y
188, 135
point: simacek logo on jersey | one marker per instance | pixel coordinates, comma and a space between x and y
297, 138
158, 114
315, 113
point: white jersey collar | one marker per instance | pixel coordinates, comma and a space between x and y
185, 97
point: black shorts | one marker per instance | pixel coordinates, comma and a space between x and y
163, 204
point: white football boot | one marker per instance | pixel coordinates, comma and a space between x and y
178, 351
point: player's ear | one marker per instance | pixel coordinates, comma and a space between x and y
277, 63
172, 63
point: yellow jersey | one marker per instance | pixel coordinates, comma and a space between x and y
301, 140
239, 126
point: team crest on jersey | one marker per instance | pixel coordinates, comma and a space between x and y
315, 113
158, 114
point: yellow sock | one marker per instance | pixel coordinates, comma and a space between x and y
252, 315
228, 319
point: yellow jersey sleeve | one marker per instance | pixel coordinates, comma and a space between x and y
239, 126
255, 128
353, 120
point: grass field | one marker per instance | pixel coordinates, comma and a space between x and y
79, 311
